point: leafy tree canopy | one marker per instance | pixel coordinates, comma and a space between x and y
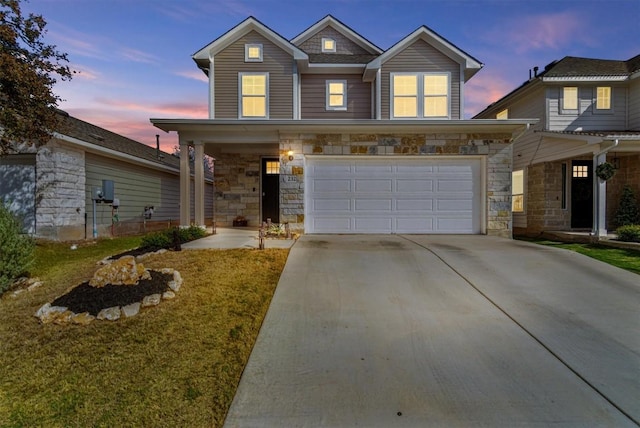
28, 70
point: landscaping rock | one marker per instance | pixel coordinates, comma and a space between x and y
177, 281
152, 300
82, 319
168, 295
131, 310
109, 314
48, 314
124, 271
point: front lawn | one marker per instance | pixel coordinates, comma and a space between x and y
622, 258
177, 364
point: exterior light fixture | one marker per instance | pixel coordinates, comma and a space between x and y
290, 154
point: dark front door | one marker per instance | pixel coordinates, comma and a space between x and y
271, 189
581, 194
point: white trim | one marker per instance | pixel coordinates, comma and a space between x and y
420, 95
212, 89
330, 21
379, 94
574, 79
328, 94
325, 49
247, 49
241, 74
296, 93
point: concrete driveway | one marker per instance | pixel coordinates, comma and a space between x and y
414, 331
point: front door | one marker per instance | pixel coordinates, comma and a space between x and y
271, 189
581, 194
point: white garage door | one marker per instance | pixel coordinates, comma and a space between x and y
400, 195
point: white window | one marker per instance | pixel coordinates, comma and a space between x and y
420, 95
517, 191
328, 44
603, 98
504, 114
253, 52
569, 98
253, 95
336, 95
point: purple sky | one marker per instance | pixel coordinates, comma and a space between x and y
134, 56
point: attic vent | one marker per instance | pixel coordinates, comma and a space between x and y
97, 137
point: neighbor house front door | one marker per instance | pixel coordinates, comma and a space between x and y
581, 194
271, 189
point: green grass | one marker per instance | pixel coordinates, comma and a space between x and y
177, 364
622, 258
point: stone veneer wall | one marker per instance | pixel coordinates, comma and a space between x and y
495, 147
628, 173
237, 188
60, 192
544, 198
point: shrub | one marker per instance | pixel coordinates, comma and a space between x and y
156, 241
191, 233
165, 239
628, 212
16, 249
629, 233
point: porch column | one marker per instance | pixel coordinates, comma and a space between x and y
600, 200
185, 184
199, 182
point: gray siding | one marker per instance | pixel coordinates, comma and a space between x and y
586, 118
230, 61
344, 45
634, 105
421, 57
313, 94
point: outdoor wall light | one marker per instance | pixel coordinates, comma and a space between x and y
290, 154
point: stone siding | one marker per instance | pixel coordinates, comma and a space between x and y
237, 188
60, 193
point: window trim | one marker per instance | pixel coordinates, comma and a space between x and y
522, 195
240, 95
247, 48
420, 95
597, 110
563, 109
328, 94
328, 39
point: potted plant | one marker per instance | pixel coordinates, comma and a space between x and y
605, 171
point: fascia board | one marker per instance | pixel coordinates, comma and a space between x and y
575, 79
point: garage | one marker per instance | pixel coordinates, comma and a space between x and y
393, 195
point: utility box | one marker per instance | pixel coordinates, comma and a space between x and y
96, 193
107, 190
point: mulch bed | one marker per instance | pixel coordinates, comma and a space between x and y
85, 298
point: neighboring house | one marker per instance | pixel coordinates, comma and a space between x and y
589, 111
331, 134
52, 187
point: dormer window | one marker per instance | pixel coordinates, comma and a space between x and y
328, 44
253, 52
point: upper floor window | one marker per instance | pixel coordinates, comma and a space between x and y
420, 95
517, 191
328, 44
253, 52
504, 114
569, 99
254, 93
336, 95
603, 98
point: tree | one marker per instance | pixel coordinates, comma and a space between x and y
628, 212
28, 70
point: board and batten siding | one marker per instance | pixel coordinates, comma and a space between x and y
421, 57
586, 119
313, 94
634, 105
230, 61
344, 45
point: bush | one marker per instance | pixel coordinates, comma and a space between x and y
191, 233
156, 241
628, 212
629, 233
16, 249
165, 239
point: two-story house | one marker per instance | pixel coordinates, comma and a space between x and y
589, 113
332, 134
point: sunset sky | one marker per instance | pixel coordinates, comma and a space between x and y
134, 56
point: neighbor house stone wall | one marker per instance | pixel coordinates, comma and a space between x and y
60, 192
237, 188
494, 147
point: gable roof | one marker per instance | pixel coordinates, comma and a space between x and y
330, 21
202, 56
470, 64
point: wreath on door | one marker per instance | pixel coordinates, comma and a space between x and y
605, 171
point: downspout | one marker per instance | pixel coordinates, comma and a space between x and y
513, 139
599, 228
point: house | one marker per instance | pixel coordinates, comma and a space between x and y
589, 114
331, 134
53, 188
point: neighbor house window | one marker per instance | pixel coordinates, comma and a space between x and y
273, 167
254, 88
504, 114
420, 95
328, 44
603, 98
253, 52
569, 98
336, 95
517, 191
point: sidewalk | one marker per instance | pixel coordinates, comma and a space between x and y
236, 237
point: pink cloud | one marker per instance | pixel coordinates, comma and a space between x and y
136, 55
183, 110
483, 90
193, 74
